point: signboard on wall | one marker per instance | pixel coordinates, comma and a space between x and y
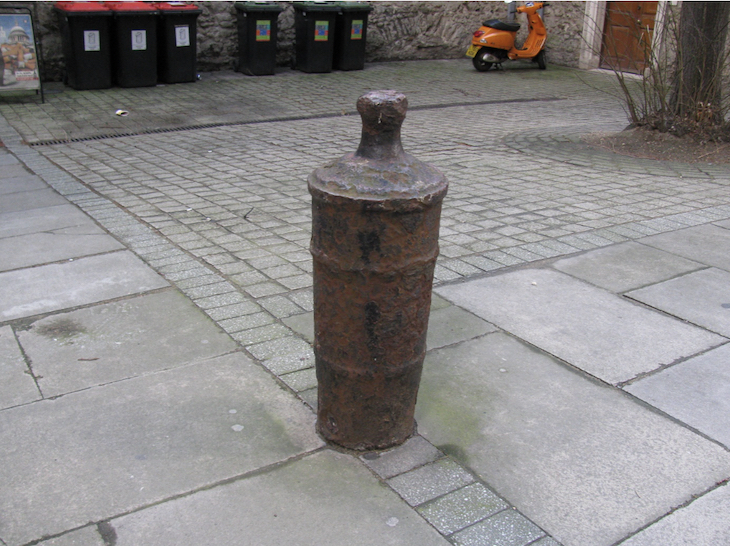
19, 66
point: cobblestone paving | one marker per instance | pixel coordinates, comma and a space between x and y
223, 211
230, 98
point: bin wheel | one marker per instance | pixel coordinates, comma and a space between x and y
479, 63
540, 60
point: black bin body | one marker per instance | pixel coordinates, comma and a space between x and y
350, 36
134, 44
177, 44
257, 31
86, 37
314, 27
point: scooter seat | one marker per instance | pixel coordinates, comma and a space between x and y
499, 25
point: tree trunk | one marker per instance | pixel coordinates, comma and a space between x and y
697, 94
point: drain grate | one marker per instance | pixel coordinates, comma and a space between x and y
158, 131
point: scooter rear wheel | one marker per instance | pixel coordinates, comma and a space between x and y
540, 60
479, 63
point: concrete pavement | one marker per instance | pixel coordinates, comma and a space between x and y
155, 321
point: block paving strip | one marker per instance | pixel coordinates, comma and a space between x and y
449, 497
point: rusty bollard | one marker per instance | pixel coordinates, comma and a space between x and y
375, 225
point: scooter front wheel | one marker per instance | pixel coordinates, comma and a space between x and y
479, 61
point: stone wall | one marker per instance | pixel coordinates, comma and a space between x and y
564, 23
396, 31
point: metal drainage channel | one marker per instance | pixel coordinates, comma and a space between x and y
54, 142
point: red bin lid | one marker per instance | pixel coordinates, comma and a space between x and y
130, 6
81, 6
174, 6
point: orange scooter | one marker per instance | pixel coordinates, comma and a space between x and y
494, 42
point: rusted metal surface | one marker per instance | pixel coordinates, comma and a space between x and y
375, 223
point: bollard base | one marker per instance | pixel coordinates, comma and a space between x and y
365, 411
362, 447
369, 373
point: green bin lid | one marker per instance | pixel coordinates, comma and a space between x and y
316, 6
354, 6
258, 6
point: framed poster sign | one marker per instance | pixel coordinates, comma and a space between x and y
19, 63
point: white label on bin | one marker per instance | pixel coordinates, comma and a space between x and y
91, 40
182, 36
139, 40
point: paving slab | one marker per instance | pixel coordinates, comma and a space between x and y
507, 528
430, 481
696, 392
547, 541
447, 324
702, 298
708, 244
705, 522
44, 248
625, 266
590, 328
49, 234
17, 386
105, 451
412, 453
462, 508
301, 380
28, 200
109, 342
453, 324
37, 290
583, 461
6, 158
53, 218
302, 324
88, 536
291, 362
9, 161
327, 498
14, 184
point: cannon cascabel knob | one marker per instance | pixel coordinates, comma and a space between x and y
382, 114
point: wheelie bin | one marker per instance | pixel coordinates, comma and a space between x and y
350, 36
177, 42
314, 25
86, 37
134, 40
257, 28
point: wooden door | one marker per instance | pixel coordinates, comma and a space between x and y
627, 35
